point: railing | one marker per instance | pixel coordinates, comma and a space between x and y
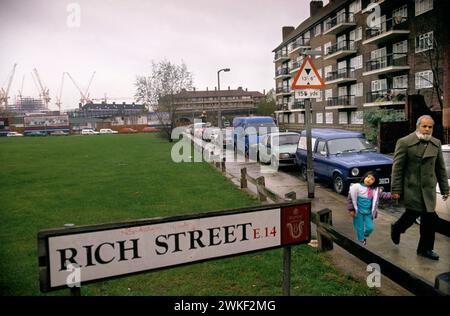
300, 43
341, 73
283, 90
395, 59
342, 100
394, 95
296, 64
340, 46
396, 23
282, 71
340, 19
298, 104
280, 54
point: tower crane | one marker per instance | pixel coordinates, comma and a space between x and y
58, 97
4, 93
19, 94
84, 95
45, 94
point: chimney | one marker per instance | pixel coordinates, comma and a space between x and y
228, 88
264, 91
314, 7
206, 88
239, 88
287, 30
194, 89
246, 89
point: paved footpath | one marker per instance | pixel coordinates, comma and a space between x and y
380, 242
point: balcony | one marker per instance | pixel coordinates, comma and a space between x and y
340, 50
339, 24
296, 66
283, 91
282, 73
298, 104
371, 5
386, 97
301, 43
281, 56
344, 75
345, 101
390, 30
386, 64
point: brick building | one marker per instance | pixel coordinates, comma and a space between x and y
374, 54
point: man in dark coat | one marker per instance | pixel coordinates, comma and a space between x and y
418, 166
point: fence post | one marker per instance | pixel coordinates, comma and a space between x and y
324, 242
290, 196
287, 270
223, 164
261, 183
243, 178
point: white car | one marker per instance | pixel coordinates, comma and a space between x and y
108, 131
278, 149
443, 207
89, 131
13, 134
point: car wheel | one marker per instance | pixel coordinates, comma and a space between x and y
274, 163
303, 173
339, 185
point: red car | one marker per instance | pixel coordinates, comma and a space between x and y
128, 130
150, 130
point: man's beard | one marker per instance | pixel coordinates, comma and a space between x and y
425, 137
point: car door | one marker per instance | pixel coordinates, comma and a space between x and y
320, 155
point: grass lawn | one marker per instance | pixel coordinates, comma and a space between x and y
50, 181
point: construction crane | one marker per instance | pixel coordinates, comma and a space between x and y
84, 95
4, 92
19, 93
59, 96
44, 92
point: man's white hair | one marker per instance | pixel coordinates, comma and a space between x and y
419, 120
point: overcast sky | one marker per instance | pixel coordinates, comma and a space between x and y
119, 38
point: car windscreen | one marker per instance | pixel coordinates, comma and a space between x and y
446, 155
286, 139
261, 128
354, 144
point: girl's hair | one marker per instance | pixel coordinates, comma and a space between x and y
373, 174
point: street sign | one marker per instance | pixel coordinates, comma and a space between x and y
308, 94
308, 77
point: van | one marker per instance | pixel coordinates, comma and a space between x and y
88, 131
248, 131
107, 131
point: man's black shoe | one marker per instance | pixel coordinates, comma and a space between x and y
428, 254
395, 235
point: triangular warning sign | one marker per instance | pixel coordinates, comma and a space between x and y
307, 77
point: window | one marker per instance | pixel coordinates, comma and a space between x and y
319, 99
317, 29
399, 15
378, 85
328, 94
280, 118
342, 91
424, 79
357, 89
400, 82
328, 69
400, 49
356, 62
355, 7
319, 118
357, 117
343, 118
356, 35
424, 42
329, 117
321, 147
302, 142
301, 118
423, 6
319, 49
326, 47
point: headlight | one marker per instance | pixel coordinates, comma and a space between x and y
285, 156
355, 172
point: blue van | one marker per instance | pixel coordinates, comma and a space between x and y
248, 131
342, 157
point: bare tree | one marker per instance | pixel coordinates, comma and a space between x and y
158, 91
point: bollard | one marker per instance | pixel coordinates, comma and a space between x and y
223, 164
260, 184
243, 178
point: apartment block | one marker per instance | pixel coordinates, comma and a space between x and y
373, 54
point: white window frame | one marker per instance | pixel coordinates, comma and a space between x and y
422, 6
400, 82
342, 91
319, 117
379, 85
343, 118
357, 117
356, 62
326, 46
328, 94
355, 7
318, 29
328, 69
301, 118
400, 49
401, 12
424, 79
424, 42
319, 99
328, 117
357, 89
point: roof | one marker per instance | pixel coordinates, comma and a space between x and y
332, 133
323, 12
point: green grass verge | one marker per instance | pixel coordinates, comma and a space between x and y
47, 182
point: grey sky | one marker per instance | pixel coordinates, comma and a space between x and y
119, 38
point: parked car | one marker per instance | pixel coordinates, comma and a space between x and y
149, 129
59, 133
225, 136
278, 149
107, 131
13, 134
443, 207
89, 131
342, 157
128, 130
248, 132
35, 133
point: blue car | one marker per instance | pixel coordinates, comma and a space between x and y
341, 157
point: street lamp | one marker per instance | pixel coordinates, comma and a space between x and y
219, 113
